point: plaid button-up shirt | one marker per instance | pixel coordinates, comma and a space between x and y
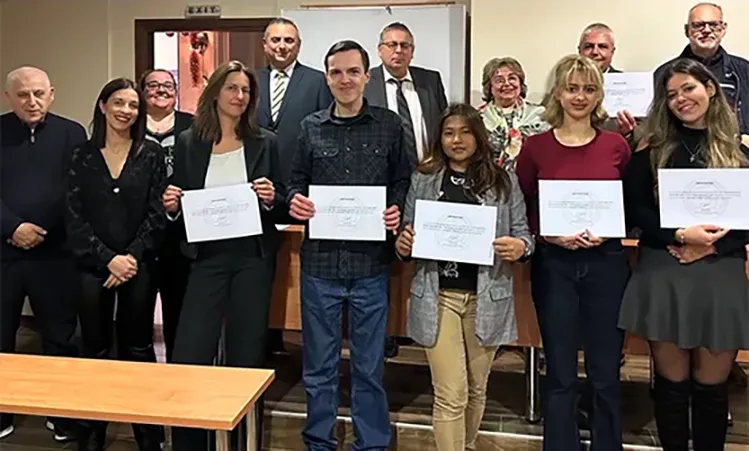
365, 150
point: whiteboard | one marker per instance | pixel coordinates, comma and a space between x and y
439, 36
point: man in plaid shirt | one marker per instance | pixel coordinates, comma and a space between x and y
351, 143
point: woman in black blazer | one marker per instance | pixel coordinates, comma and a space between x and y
230, 280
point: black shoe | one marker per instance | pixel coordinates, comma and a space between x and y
391, 348
6, 431
63, 431
6, 425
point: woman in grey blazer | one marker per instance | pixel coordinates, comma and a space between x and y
463, 312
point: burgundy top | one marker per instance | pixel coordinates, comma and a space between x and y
543, 157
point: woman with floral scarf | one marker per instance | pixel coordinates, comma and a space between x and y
508, 116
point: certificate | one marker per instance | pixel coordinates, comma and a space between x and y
570, 207
631, 91
221, 213
717, 197
349, 213
454, 232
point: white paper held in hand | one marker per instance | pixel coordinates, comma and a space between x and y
454, 232
570, 207
718, 197
221, 213
348, 213
631, 91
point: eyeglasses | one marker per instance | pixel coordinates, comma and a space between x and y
155, 85
392, 45
713, 25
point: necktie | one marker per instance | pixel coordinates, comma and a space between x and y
278, 92
405, 114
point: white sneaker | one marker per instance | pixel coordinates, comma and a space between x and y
7, 431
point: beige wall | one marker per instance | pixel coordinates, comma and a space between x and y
95, 40
648, 32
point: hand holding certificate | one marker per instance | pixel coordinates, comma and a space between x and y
572, 207
717, 197
221, 213
353, 213
455, 232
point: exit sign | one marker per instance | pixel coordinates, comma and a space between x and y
192, 11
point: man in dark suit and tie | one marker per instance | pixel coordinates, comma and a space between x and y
415, 93
289, 91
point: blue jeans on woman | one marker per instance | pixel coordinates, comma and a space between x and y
577, 295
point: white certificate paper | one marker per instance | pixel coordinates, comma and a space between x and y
717, 197
221, 213
454, 232
570, 207
631, 91
348, 213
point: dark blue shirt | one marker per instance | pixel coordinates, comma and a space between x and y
33, 164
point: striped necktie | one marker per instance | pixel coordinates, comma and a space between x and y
278, 92
405, 114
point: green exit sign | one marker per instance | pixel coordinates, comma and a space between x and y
202, 11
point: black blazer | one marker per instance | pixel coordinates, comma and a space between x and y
191, 158
306, 93
429, 87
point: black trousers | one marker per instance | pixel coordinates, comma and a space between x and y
169, 280
50, 286
133, 329
578, 294
230, 290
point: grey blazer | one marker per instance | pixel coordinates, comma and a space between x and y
495, 310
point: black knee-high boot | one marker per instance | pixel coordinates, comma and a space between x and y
671, 400
709, 416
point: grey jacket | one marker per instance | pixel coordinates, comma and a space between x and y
495, 311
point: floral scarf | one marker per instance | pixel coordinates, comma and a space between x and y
507, 131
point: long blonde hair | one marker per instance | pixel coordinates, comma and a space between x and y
563, 71
723, 139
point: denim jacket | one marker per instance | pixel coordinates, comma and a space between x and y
495, 310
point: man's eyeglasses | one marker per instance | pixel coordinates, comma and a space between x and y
392, 45
713, 25
155, 86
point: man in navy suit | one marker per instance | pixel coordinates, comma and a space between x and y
415, 93
289, 91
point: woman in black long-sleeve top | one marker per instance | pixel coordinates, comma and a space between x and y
689, 295
230, 280
114, 221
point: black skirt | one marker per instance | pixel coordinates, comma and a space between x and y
703, 304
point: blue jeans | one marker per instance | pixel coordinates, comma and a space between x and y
322, 304
577, 295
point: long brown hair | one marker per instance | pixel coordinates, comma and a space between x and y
483, 173
563, 71
723, 150
206, 121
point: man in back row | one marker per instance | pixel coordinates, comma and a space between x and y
289, 91
34, 148
416, 94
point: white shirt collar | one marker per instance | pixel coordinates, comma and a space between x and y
288, 71
389, 76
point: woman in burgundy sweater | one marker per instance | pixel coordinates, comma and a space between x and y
577, 281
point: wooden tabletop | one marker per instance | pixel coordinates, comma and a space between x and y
205, 397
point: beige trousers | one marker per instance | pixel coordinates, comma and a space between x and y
460, 369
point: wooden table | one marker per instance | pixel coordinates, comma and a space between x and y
205, 397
